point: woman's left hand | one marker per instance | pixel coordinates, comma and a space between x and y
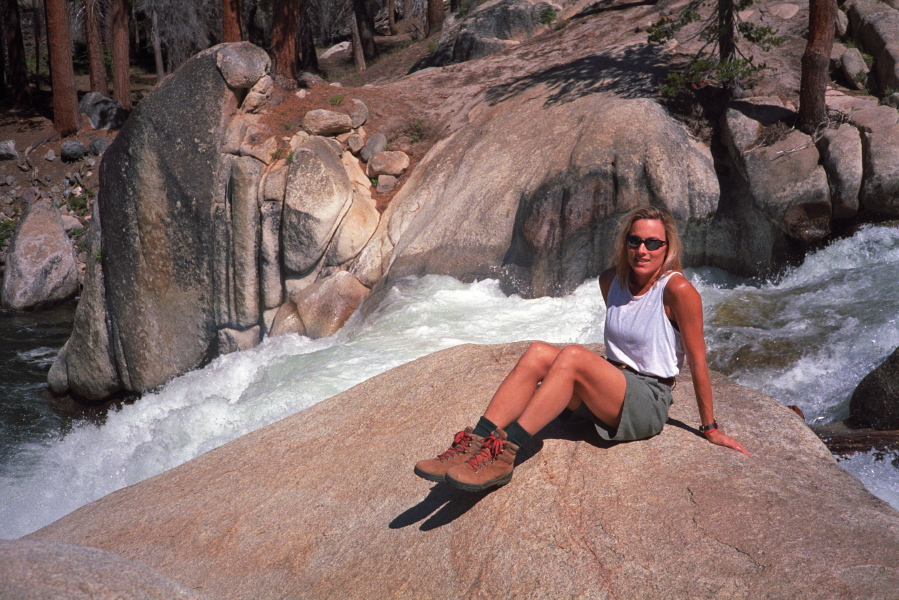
716, 436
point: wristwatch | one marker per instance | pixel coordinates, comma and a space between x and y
708, 428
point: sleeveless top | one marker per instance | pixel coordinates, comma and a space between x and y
639, 334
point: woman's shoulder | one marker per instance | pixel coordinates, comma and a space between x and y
678, 286
605, 282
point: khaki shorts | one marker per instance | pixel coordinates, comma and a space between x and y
645, 410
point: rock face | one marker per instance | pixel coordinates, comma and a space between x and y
875, 402
274, 514
40, 267
545, 214
79, 573
875, 25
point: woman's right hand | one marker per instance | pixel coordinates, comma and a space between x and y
716, 436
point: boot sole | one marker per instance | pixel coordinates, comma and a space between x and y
429, 476
479, 487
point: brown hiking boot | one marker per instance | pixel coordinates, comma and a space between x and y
491, 465
465, 444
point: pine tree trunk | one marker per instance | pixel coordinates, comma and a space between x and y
366, 23
285, 22
157, 45
121, 76
391, 16
62, 73
36, 21
95, 63
231, 31
435, 16
308, 60
20, 93
358, 52
815, 64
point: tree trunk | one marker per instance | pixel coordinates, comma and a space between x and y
366, 23
435, 16
62, 73
727, 46
391, 16
308, 60
157, 45
815, 64
20, 93
95, 63
121, 77
358, 52
36, 21
285, 21
231, 31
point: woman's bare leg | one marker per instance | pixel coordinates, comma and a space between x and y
518, 387
575, 371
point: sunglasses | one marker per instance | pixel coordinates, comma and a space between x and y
651, 243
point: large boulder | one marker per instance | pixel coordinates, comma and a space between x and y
34, 570
786, 181
875, 401
539, 206
162, 200
875, 25
324, 504
40, 264
841, 156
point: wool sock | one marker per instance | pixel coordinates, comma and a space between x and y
484, 427
517, 434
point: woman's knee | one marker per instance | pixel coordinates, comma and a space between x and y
538, 357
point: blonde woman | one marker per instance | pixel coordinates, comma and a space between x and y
653, 321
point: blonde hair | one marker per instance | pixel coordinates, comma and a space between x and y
672, 248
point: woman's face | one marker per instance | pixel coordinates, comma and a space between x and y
647, 263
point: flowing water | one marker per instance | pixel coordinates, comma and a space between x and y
807, 339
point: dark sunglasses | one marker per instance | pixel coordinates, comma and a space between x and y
651, 243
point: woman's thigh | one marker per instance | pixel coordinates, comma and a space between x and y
598, 384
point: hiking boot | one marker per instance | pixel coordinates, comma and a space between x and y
465, 444
491, 465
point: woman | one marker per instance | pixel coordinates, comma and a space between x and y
653, 319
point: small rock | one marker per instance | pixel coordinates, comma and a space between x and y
854, 68
386, 183
375, 144
103, 112
336, 84
69, 223
242, 65
842, 23
8, 150
326, 122
892, 100
72, 151
301, 93
784, 11
258, 96
359, 114
387, 163
11, 180
307, 80
50, 156
90, 162
97, 146
342, 51
30, 195
355, 143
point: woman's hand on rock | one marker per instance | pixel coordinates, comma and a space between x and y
716, 436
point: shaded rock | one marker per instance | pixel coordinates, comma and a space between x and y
8, 150
40, 261
376, 143
258, 95
854, 68
235, 340
875, 25
242, 64
785, 180
880, 189
355, 143
326, 305
286, 321
354, 231
87, 358
875, 402
72, 150
841, 23
58, 377
387, 163
259, 145
318, 195
245, 234
270, 253
50, 156
235, 132
102, 112
97, 146
359, 114
386, 183
545, 213
658, 520
841, 156
326, 122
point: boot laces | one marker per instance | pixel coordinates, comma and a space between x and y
491, 447
460, 443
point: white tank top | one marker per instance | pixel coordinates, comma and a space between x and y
639, 334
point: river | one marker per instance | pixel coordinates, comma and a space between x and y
806, 339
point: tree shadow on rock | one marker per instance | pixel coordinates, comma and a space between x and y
631, 72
